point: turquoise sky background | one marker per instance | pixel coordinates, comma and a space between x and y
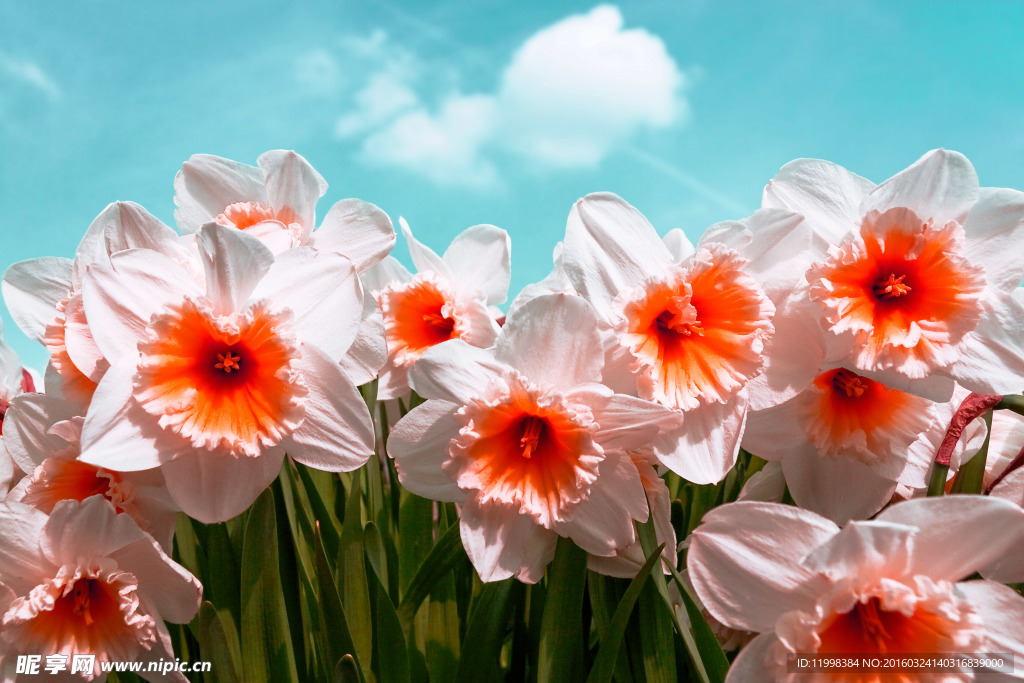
458, 113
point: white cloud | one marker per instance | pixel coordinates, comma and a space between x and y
30, 74
318, 72
570, 94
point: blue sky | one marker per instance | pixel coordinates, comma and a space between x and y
456, 113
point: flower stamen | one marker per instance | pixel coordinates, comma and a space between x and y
532, 431
846, 381
80, 601
891, 287
228, 362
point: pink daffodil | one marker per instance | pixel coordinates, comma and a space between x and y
889, 586
213, 379
43, 438
914, 277
44, 295
449, 297
14, 380
276, 203
86, 580
528, 441
690, 328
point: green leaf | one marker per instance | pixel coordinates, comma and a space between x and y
339, 639
373, 544
486, 633
216, 646
347, 671
713, 660
560, 657
355, 592
321, 512
392, 662
657, 620
615, 632
267, 653
444, 555
415, 528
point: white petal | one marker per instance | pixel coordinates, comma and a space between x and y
119, 227
995, 235
626, 422
603, 522
744, 560
32, 290
423, 257
1002, 612
26, 428
234, 263
705, 449
840, 489
79, 342
501, 543
419, 445
22, 563
678, 245
369, 350
358, 230
292, 183
610, 247
384, 273
171, 587
213, 487
940, 186
118, 434
767, 485
454, 371
480, 261
992, 360
826, 194
957, 535
553, 340
754, 662
777, 244
868, 550
207, 184
324, 293
337, 432
793, 356
121, 298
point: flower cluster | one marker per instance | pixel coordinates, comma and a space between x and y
830, 338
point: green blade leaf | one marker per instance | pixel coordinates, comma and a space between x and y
339, 639
392, 662
267, 653
216, 646
604, 665
445, 554
355, 592
713, 659
486, 633
560, 657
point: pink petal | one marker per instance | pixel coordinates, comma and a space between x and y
214, 487
940, 186
840, 489
1002, 612
705, 449
454, 371
32, 290
610, 247
744, 560
337, 432
234, 263
207, 184
868, 550
626, 422
118, 434
992, 360
995, 234
419, 446
423, 257
502, 543
603, 522
324, 293
22, 563
80, 344
957, 535
292, 183
358, 230
26, 428
553, 340
369, 350
826, 194
480, 261
121, 298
